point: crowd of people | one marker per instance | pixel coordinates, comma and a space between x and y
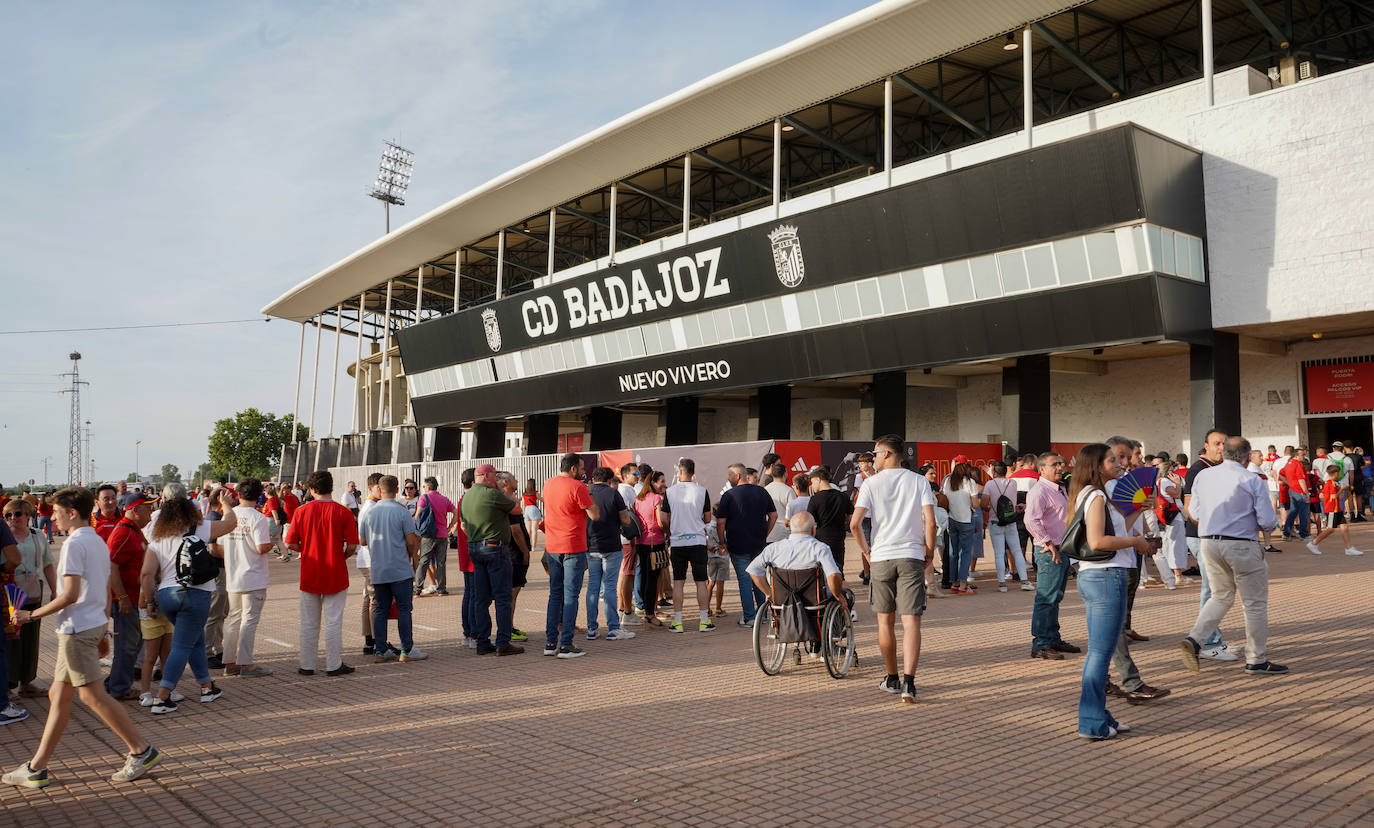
149, 584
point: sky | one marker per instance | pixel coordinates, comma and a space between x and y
174, 163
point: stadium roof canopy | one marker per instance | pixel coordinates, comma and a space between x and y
880, 40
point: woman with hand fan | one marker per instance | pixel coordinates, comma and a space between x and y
36, 566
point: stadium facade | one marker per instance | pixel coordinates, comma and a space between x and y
1018, 222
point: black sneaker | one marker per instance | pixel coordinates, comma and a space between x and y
571, 651
304, 672
216, 662
209, 694
909, 692
163, 706
665, 603
890, 684
343, 670
1267, 668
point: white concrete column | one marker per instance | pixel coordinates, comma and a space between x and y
457, 277
553, 220
315, 374
1208, 67
358, 367
384, 387
296, 406
1027, 98
500, 260
887, 128
419, 291
614, 191
334, 386
777, 166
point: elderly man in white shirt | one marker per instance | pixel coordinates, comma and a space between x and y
1232, 505
799, 550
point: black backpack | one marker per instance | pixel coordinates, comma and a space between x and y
1006, 511
194, 563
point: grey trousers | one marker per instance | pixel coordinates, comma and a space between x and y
1236, 566
214, 623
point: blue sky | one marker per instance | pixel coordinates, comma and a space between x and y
188, 162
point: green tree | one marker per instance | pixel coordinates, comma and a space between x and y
249, 443
170, 473
132, 478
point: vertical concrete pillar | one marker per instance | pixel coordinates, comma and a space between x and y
1214, 386
774, 404
889, 404
448, 442
603, 428
678, 420
541, 434
1026, 404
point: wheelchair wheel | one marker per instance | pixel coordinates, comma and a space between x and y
768, 650
838, 644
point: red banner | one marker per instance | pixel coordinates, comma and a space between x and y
571, 442
943, 454
1344, 386
797, 455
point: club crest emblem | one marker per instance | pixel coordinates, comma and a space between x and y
492, 329
787, 256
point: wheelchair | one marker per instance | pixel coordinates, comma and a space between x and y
800, 611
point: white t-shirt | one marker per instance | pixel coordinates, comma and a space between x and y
84, 554
961, 499
1320, 465
166, 550
1346, 466
798, 504
782, 495
687, 501
894, 499
350, 500
244, 568
1124, 558
363, 560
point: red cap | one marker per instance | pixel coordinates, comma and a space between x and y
959, 458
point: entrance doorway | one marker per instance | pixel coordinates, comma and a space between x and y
1357, 430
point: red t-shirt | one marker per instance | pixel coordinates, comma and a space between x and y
1329, 501
126, 543
565, 522
1295, 475
464, 560
104, 525
290, 504
322, 527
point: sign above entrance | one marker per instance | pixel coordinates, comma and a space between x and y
1338, 387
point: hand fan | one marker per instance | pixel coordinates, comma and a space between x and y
1135, 490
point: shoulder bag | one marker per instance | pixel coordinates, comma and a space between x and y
1076, 544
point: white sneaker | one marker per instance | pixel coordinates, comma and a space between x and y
1027, 586
146, 699
629, 619
1352, 551
1217, 654
1171, 586
429, 590
470, 643
1002, 586
1312, 547
619, 635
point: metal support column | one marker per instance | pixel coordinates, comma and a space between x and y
1208, 68
457, 277
553, 219
296, 407
360, 394
686, 196
1027, 98
334, 385
777, 166
419, 291
500, 260
887, 129
611, 255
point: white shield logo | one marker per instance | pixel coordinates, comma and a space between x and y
492, 329
787, 256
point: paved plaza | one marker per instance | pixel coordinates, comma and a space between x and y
685, 729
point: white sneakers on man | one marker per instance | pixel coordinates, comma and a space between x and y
1312, 547
1217, 654
1352, 551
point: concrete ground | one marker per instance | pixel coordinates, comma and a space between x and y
686, 730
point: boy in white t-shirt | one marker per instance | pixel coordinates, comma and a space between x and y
246, 578
84, 576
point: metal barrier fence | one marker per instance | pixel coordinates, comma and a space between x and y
538, 466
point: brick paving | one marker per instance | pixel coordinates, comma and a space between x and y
686, 730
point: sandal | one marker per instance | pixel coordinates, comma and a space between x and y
653, 620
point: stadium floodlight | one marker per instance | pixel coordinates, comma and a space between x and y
393, 178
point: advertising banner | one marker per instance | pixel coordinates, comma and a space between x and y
1339, 387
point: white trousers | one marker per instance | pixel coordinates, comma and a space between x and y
1006, 539
241, 626
330, 608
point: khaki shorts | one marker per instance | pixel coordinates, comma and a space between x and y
718, 568
78, 657
898, 586
155, 627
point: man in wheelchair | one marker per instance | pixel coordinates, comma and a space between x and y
786, 571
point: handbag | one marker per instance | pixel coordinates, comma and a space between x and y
1076, 545
659, 557
631, 530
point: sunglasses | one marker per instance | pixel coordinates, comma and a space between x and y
9, 515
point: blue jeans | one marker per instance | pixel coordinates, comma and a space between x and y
491, 571
1298, 507
749, 596
382, 596
128, 638
603, 573
1104, 596
960, 549
468, 624
1195, 548
187, 608
565, 582
1051, 579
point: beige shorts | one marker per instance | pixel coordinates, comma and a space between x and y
718, 568
155, 627
78, 657
898, 586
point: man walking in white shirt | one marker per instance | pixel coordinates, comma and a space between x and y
902, 507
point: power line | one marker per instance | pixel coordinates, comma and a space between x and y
133, 327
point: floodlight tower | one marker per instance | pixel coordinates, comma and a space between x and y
90, 461
393, 178
74, 430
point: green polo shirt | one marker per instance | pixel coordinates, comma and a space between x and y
485, 513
